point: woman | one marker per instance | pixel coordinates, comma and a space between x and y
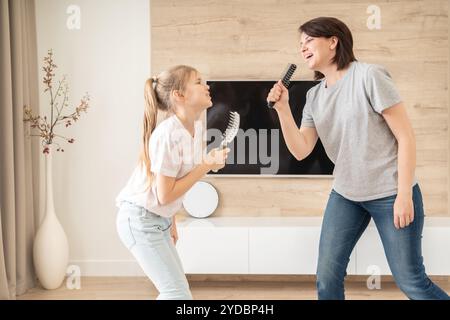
362, 123
171, 162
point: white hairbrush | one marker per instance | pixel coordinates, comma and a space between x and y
231, 130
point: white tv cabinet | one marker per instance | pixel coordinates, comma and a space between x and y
272, 245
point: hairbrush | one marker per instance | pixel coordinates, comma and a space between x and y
285, 80
231, 130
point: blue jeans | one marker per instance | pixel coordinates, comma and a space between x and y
343, 224
147, 236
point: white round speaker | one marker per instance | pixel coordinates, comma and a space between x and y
201, 200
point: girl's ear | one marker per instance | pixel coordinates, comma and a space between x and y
334, 43
177, 95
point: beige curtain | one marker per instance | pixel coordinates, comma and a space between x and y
19, 155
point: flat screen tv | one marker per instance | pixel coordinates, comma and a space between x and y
259, 148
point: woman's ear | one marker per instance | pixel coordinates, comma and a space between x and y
334, 42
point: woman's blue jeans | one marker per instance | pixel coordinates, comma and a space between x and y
147, 236
343, 224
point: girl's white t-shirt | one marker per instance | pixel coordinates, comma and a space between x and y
174, 152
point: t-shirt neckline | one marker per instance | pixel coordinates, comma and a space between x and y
184, 128
340, 81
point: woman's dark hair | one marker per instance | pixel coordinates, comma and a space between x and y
331, 27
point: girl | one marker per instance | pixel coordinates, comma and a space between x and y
362, 123
171, 162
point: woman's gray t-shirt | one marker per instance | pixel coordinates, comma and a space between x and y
348, 120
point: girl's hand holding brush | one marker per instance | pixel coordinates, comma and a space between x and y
215, 159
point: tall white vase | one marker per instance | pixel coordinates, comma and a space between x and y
51, 248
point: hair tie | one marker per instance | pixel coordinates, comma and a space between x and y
155, 81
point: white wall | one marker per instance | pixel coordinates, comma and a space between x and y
109, 56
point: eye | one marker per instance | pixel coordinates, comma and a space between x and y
307, 40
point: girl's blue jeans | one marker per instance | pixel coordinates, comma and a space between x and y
147, 236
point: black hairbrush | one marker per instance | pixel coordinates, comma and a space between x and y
285, 80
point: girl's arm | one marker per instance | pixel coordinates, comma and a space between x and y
173, 231
398, 121
169, 189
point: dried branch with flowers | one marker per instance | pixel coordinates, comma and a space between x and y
58, 101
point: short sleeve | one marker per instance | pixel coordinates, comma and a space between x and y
307, 119
164, 155
381, 89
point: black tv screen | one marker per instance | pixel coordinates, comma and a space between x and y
259, 147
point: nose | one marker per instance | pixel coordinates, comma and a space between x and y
303, 47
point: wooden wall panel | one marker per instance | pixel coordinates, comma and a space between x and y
254, 39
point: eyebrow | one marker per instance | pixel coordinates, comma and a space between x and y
306, 38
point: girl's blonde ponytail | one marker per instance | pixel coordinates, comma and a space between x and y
149, 124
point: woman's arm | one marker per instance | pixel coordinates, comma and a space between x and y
300, 142
398, 121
